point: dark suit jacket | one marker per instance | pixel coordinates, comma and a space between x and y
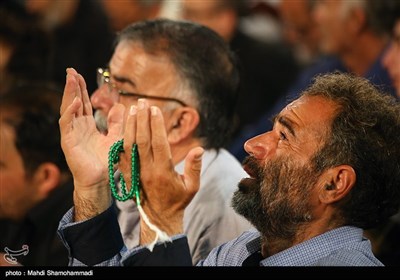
39, 231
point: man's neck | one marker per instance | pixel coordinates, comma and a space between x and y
271, 245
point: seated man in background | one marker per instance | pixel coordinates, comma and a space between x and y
123, 13
35, 182
350, 41
328, 169
389, 16
189, 72
267, 68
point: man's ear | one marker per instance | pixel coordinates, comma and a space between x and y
46, 177
337, 183
184, 122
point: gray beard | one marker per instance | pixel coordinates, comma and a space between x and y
276, 201
101, 121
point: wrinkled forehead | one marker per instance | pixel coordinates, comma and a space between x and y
311, 110
131, 53
295, 104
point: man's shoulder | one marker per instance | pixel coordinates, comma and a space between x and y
234, 252
349, 257
220, 176
223, 164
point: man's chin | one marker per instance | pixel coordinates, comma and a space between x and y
101, 122
247, 185
246, 202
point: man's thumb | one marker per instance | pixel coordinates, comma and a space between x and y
193, 169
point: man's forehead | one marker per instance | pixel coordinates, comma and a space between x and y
310, 109
126, 54
132, 55
294, 104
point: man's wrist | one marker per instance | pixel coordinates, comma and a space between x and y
90, 203
95, 240
174, 253
174, 227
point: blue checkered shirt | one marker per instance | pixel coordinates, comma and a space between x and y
344, 246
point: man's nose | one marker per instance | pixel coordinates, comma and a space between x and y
95, 98
102, 97
261, 145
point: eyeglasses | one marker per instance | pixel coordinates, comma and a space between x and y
103, 77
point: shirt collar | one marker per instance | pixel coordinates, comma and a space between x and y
310, 251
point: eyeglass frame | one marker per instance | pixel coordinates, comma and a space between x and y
103, 77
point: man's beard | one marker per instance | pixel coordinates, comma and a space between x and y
276, 200
101, 121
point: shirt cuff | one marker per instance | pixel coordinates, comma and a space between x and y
95, 240
175, 253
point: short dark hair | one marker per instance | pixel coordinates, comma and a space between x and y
205, 64
383, 14
365, 134
29, 42
35, 108
241, 7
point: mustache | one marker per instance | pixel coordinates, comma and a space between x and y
101, 121
252, 167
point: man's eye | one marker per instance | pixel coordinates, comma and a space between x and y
127, 94
282, 136
121, 92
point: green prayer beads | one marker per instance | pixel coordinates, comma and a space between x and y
113, 158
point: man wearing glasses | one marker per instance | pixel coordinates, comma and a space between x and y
105, 97
189, 72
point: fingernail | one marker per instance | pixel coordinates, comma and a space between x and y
133, 110
199, 156
141, 104
154, 110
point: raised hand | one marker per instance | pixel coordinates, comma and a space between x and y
86, 149
164, 193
